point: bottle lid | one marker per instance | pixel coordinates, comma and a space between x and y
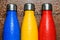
46, 6
11, 7
29, 6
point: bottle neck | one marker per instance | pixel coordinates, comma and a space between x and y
29, 12
46, 12
11, 12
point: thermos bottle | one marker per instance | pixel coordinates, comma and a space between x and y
29, 29
47, 29
11, 29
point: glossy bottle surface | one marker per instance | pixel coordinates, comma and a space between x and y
29, 29
11, 29
47, 29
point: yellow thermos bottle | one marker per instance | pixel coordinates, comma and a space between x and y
29, 29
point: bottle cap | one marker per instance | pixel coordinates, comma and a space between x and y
29, 6
46, 6
11, 7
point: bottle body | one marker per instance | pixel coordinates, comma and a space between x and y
11, 29
47, 29
29, 30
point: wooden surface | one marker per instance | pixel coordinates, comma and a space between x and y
38, 3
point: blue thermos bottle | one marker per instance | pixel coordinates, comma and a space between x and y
11, 30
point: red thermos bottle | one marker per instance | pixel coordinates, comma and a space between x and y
47, 29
